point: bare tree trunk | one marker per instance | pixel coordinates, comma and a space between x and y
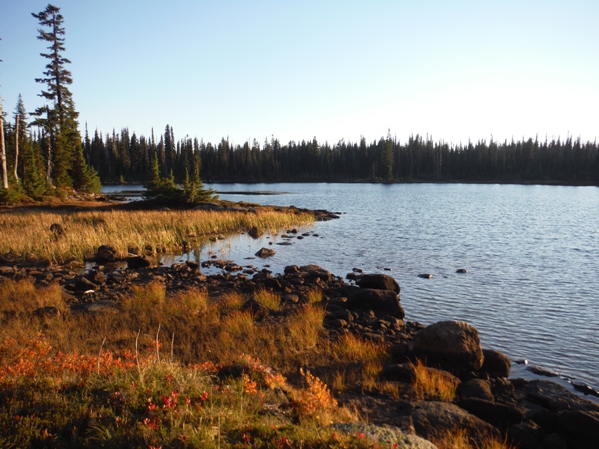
17, 146
3, 155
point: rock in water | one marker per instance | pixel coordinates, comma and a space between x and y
382, 302
496, 364
450, 345
379, 282
265, 252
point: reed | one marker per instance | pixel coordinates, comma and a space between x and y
28, 235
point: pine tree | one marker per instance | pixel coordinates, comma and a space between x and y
59, 117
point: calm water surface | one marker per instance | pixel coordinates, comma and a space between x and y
532, 255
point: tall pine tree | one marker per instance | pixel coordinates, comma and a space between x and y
58, 118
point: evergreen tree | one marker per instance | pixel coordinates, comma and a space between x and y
59, 117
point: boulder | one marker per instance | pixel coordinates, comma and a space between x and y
579, 428
105, 253
255, 308
554, 397
136, 262
47, 312
432, 420
254, 232
496, 364
379, 282
316, 271
265, 252
382, 302
56, 229
475, 389
450, 345
501, 416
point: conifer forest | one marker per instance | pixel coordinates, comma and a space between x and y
43, 152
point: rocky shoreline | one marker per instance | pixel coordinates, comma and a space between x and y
533, 413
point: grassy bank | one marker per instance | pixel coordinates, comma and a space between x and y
186, 370
31, 234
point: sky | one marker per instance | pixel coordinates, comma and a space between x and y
297, 70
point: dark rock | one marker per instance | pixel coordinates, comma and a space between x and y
193, 266
255, 308
432, 420
496, 364
379, 282
555, 397
450, 345
585, 389
461, 270
83, 285
141, 262
290, 298
316, 271
401, 372
96, 277
96, 307
554, 441
579, 428
254, 232
265, 252
475, 389
539, 370
291, 269
525, 434
105, 253
47, 312
384, 302
56, 229
501, 416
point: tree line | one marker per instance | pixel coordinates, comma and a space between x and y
43, 153
127, 157
49, 161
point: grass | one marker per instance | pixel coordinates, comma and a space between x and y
433, 385
180, 370
459, 439
27, 234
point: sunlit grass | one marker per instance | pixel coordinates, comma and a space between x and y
459, 439
28, 234
430, 384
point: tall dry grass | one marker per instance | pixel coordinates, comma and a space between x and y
28, 234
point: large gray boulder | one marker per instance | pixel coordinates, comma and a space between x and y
381, 302
379, 282
450, 345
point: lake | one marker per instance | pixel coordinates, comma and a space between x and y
532, 255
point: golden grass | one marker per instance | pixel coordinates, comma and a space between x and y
27, 234
270, 299
459, 439
146, 375
433, 384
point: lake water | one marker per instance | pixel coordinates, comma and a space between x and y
532, 255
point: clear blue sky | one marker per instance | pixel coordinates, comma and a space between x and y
456, 70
